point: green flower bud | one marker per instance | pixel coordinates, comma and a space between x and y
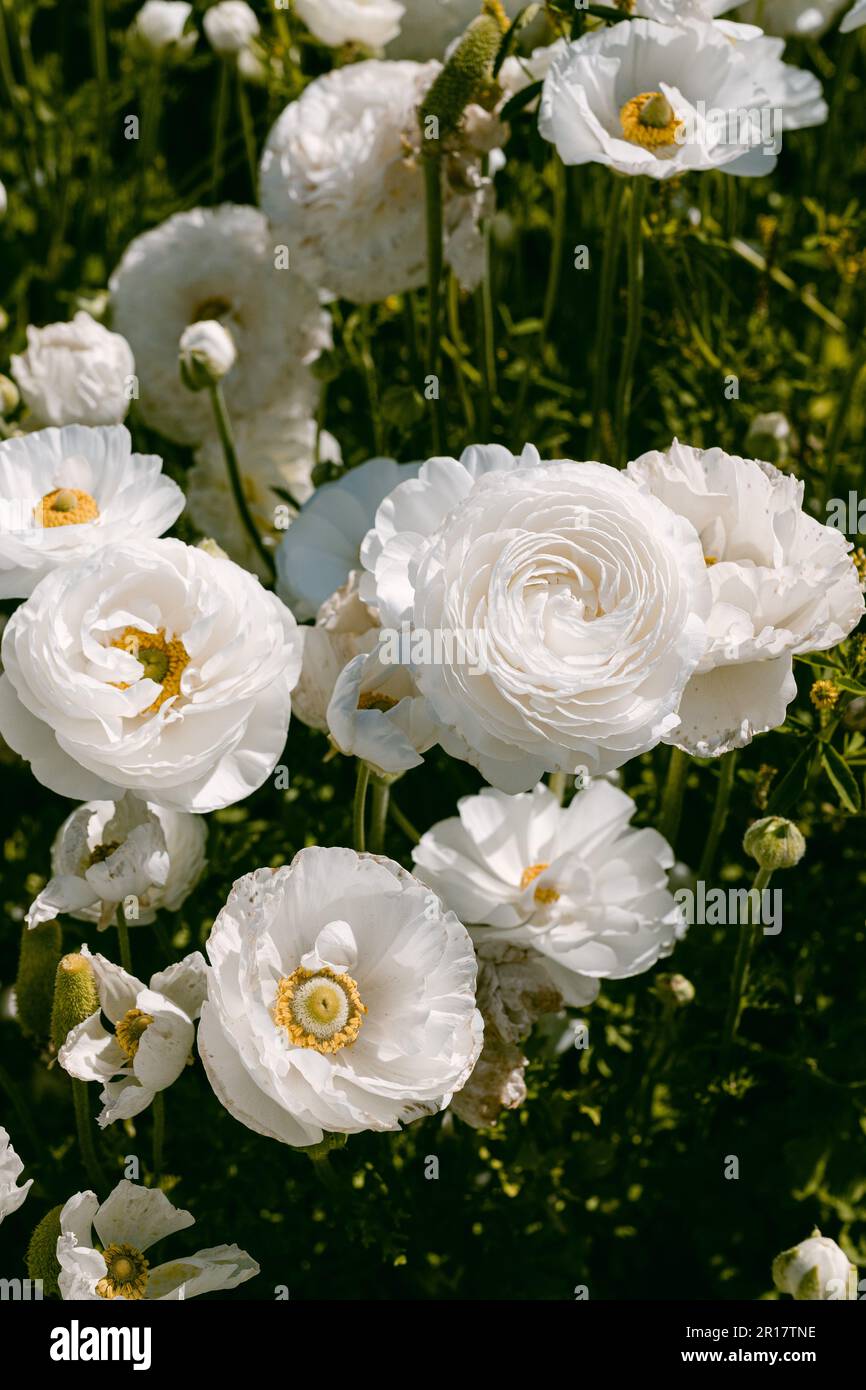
674, 989
9, 396
40, 952
465, 78
75, 996
326, 1145
42, 1260
776, 843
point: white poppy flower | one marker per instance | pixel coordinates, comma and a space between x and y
344, 627
792, 18
854, 18
66, 493
160, 27
554, 618
151, 667
372, 23
342, 183
781, 583
114, 1265
213, 263
75, 374
658, 99
11, 1168
428, 26
106, 851
795, 92
229, 27
323, 545
151, 1036
341, 998
815, 1270
578, 888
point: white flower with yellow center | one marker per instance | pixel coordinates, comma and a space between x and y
11, 1193
150, 1037
65, 493
114, 1264
341, 998
578, 888
344, 628
75, 373
219, 264
106, 851
372, 23
152, 667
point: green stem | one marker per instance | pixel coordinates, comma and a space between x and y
223, 93
551, 293
557, 783
403, 822
378, 815
433, 196
22, 1110
123, 940
749, 932
840, 416
158, 1110
249, 133
488, 335
727, 773
360, 807
604, 321
633, 320
83, 1126
224, 429
99, 50
371, 382
672, 796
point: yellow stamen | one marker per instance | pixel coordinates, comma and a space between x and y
161, 660
859, 558
319, 1009
127, 1273
529, 875
649, 120
214, 308
375, 699
130, 1029
824, 694
710, 560
65, 506
545, 896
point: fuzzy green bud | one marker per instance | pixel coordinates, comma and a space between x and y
465, 78
75, 996
42, 1260
9, 395
775, 842
327, 1144
40, 951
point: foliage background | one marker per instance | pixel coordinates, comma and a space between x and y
612, 1174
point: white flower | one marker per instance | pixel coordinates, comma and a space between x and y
153, 667
213, 263
789, 18
106, 851
65, 494
854, 18
128, 1223
578, 888
160, 27
795, 92
11, 1167
372, 23
230, 26
781, 583
323, 545
344, 627
555, 618
151, 1036
75, 374
342, 183
207, 354
428, 26
657, 99
4, 201
815, 1270
341, 998
377, 713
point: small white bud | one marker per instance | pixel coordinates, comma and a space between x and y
207, 354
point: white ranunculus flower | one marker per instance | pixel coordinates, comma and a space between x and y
323, 545
855, 17
151, 667
160, 28
793, 18
151, 1036
67, 493
658, 99
207, 353
577, 887
341, 998
342, 183
106, 851
11, 1168
816, 1270
781, 583
127, 1224
229, 27
554, 618
213, 263
75, 374
344, 627
428, 26
372, 23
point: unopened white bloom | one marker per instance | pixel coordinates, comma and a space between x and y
854, 18
578, 887
150, 1039
214, 263
372, 23
75, 373
341, 181
67, 493
160, 28
206, 354
793, 18
11, 1168
127, 1224
555, 618
344, 627
781, 583
341, 998
378, 714
815, 1270
229, 27
151, 667
106, 851
428, 26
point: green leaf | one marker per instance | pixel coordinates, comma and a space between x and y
792, 785
513, 107
843, 779
523, 17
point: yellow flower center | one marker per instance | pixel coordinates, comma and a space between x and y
541, 894
319, 1009
649, 120
214, 308
130, 1029
710, 560
161, 660
65, 506
375, 699
127, 1273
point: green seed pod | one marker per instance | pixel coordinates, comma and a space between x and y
465, 78
42, 1252
75, 996
38, 956
775, 842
